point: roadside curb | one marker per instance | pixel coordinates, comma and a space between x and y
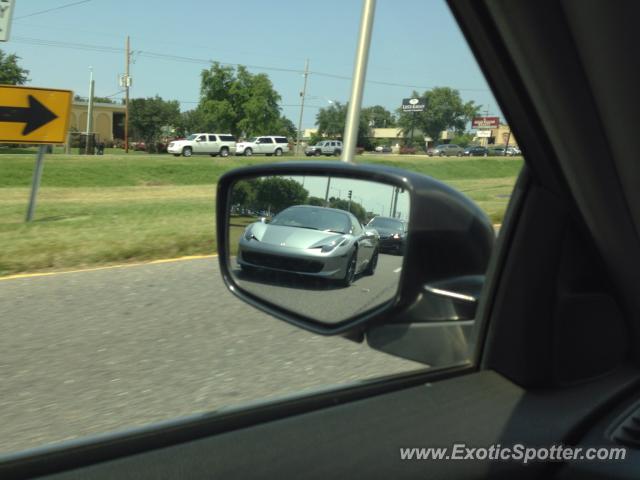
108, 267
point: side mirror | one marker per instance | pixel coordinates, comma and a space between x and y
370, 232
306, 269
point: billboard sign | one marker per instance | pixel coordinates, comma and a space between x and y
485, 122
413, 104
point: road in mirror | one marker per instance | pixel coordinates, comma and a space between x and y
329, 248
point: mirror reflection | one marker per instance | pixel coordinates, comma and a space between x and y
325, 247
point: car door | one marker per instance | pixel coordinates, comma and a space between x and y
266, 145
365, 246
213, 144
200, 144
555, 333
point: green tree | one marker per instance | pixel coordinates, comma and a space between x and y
378, 117
95, 99
147, 116
315, 201
10, 72
190, 121
463, 139
285, 127
239, 102
243, 194
331, 122
277, 193
354, 207
444, 110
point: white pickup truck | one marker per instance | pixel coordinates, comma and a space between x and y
223, 144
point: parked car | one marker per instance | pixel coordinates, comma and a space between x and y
392, 233
475, 151
496, 151
268, 145
312, 241
513, 151
138, 146
446, 150
325, 147
383, 149
223, 144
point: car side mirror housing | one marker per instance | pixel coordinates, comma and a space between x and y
437, 275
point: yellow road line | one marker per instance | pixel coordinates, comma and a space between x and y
109, 267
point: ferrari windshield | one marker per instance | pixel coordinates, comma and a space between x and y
314, 218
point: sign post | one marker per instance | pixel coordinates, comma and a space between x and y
34, 115
6, 13
413, 105
35, 185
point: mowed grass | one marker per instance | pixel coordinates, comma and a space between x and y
110, 209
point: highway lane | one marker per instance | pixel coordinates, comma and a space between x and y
321, 299
97, 351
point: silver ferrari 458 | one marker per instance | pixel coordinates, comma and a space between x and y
310, 240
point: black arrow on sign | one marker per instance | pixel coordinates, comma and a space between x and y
34, 116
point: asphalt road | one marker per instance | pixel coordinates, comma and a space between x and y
96, 351
324, 300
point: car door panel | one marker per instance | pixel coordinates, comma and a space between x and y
200, 145
362, 438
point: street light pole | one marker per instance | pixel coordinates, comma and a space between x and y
89, 112
359, 73
126, 95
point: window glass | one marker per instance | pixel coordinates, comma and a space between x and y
113, 311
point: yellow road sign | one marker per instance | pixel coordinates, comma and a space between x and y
34, 115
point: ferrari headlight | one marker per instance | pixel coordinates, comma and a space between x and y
248, 234
333, 244
329, 247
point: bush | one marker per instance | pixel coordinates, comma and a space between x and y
359, 150
407, 150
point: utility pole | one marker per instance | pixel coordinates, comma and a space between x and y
127, 83
90, 114
326, 193
395, 203
303, 94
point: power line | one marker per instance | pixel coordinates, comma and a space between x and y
202, 61
52, 9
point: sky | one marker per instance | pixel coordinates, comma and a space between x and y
373, 196
414, 43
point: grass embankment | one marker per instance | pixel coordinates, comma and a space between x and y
100, 210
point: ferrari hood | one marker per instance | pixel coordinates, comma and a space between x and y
294, 237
